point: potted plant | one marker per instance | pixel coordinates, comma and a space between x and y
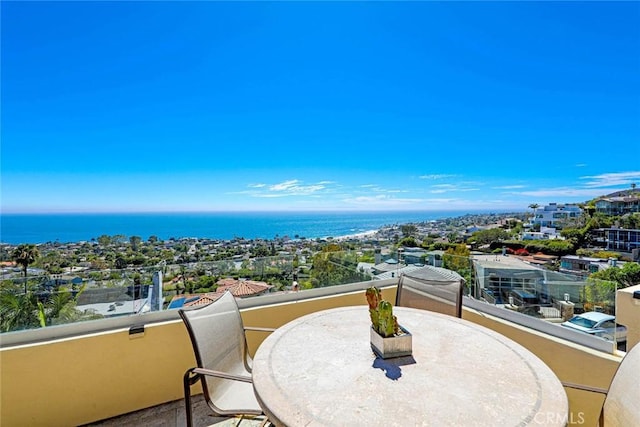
388, 338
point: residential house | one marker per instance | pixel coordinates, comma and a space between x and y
555, 215
619, 203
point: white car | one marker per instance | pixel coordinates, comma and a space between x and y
598, 324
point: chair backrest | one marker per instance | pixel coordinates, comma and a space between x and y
433, 295
621, 404
218, 340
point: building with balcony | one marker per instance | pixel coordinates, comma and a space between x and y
622, 240
555, 215
502, 280
583, 265
619, 203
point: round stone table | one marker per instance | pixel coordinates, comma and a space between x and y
319, 370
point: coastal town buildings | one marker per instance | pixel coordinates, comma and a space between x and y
623, 240
545, 233
619, 203
514, 286
554, 215
583, 266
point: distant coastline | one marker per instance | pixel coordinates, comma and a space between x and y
77, 227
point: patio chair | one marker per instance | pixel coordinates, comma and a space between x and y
441, 296
620, 406
223, 364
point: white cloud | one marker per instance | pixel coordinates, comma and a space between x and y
508, 187
440, 201
284, 186
563, 192
378, 189
612, 179
443, 188
436, 176
454, 194
380, 201
292, 187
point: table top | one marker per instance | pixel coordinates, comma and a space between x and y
319, 370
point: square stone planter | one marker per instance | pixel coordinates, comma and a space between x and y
395, 346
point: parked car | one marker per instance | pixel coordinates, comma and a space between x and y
598, 324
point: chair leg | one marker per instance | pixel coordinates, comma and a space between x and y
187, 381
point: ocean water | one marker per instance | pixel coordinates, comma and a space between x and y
65, 228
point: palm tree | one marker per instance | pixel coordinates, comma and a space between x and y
24, 255
534, 207
60, 309
18, 311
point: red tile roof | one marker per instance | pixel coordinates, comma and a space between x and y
197, 299
242, 288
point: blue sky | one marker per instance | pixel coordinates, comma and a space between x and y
224, 106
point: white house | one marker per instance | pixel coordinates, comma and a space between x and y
553, 215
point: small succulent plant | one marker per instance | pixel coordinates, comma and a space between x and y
381, 312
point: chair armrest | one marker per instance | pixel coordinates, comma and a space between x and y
220, 374
245, 357
253, 328
585, 387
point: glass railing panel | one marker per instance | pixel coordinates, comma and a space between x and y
99, 297
88, 294
582, 306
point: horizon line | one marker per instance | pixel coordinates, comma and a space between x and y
222, 211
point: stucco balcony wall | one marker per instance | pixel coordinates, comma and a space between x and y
96, 376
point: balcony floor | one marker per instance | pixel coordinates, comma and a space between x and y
173, 414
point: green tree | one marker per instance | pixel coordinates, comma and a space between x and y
576, 235
599, 220
135, 242
599, 293
334, 267
485, 237
120, 262
602, 285
408, 230
24, 255
52, 262
453, 236
183, 274
18, 311
623, 277
534, 207
408, 242
261, 251
60, 308
458, 259
630, 221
